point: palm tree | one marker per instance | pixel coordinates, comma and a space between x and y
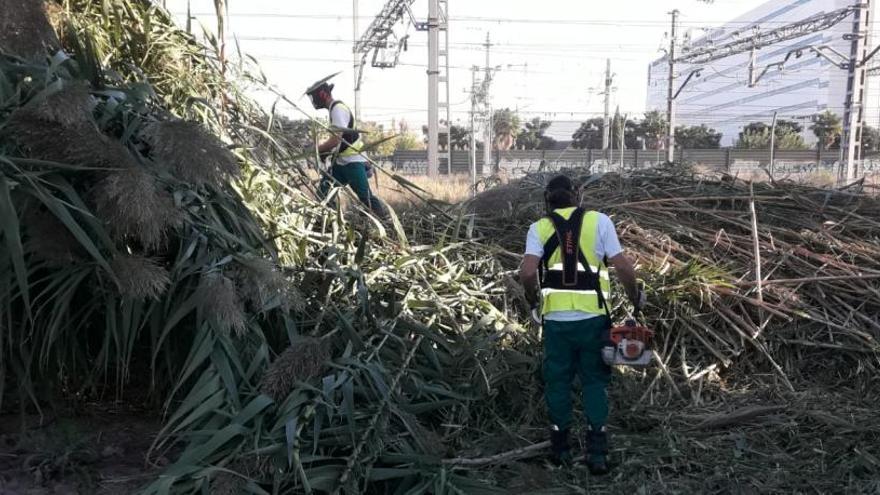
505, 127
827, 128
460, 137
532, 135
653, 128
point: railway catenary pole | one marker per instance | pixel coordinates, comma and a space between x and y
487, 139
380, 35
856, 90
473, 144
706, 53
773, 144
670, 94
433, 87
606, 123
622, 139
356, 58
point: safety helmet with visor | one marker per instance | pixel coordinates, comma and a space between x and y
314, 91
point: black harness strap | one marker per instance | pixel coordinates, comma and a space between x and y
566, 238
567, 235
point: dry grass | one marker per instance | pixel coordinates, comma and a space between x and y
69, 106
221, 303
194, 155
140, 278
304, 359
134, 206
60, 128
448, 189
259, 282
819, 178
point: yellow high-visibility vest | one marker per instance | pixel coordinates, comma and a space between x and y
584, 295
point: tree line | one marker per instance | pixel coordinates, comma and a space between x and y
648, 133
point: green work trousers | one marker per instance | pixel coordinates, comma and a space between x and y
354, 175
576, 347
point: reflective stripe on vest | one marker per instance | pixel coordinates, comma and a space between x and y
587, 301
351, 143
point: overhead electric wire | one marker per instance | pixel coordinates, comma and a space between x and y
508, 20
568, 51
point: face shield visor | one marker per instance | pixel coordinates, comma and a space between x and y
315, 99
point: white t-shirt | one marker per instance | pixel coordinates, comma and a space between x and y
607, 246
340, 116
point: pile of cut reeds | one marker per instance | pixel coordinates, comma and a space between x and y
767, 386
701, 242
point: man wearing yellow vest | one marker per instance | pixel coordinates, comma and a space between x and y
349, 166
567, 253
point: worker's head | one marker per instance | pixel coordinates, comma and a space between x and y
321, 95
560, 193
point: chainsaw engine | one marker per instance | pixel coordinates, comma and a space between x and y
629, 345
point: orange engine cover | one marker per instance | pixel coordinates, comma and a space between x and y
632, 332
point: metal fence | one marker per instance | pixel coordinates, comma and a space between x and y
732, 160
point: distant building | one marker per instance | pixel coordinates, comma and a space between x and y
721, 98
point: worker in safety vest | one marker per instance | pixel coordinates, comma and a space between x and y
349, 167
569, 251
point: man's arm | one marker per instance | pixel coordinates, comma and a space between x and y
528, 276
626, 273
338, 118
329, 145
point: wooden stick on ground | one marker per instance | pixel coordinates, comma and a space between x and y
738, 416
808, 279
510, 455
757, 243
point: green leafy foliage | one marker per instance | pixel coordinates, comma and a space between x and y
756, 135
532, 136
505, 128
827, 127
870, 138
458, 136
699, 137
648, 132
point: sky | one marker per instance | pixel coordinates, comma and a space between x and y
552, 53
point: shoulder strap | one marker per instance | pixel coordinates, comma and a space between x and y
566, 236
350, 114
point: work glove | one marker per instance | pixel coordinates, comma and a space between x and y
641, 300
369, 169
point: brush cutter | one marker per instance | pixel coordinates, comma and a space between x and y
629, 345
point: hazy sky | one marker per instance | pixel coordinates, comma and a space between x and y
553, 52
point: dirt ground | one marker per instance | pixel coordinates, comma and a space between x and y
98, 451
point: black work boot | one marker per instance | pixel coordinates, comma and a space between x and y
560, 451
597, 450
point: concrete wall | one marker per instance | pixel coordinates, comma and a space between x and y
517, 163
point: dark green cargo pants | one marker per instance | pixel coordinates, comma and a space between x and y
354, 175
576, 347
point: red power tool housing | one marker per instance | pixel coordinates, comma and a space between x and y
629, 345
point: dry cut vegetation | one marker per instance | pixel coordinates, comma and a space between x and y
291, 347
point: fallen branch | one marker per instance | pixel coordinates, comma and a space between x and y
805, 280
510, 455
738, 416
